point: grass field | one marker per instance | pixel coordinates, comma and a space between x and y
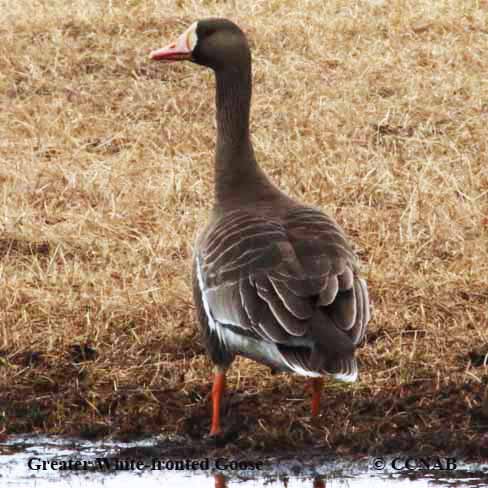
377, 112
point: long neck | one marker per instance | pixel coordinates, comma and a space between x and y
237, 173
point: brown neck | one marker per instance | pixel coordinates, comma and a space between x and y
237, 174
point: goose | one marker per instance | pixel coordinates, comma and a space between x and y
274, 280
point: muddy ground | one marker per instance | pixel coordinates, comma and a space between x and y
417, 417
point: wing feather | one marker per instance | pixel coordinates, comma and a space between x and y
263, 321
343, 310
291, 324
329, 294
300, 308
346, 279
268, 276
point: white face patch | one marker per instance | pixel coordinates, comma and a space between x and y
190, 36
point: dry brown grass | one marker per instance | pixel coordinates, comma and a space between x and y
376, 113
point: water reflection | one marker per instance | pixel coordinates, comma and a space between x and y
302, 472
221, 482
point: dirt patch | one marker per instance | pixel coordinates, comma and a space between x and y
22, 247
416, 417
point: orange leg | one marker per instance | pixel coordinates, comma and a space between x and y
220, 481
316, 384
318, 483
217, 391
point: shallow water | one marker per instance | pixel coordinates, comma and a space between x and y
17, 453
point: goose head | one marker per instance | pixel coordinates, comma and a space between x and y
215, 43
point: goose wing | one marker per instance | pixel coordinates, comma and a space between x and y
268, 278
